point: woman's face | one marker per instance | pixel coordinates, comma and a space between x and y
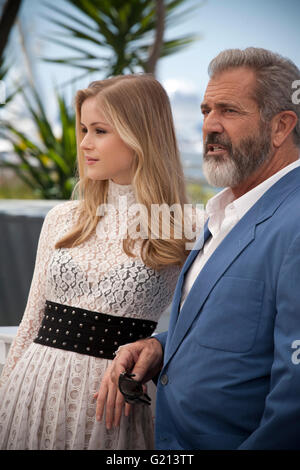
106, 156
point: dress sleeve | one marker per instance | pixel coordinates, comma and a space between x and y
32, 317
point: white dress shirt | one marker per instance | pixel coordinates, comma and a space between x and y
224, 212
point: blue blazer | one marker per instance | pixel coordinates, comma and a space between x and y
231, 372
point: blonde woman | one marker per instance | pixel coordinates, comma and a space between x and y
93, 288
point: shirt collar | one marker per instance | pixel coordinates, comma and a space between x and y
225, 198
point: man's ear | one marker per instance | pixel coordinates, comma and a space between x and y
283, 125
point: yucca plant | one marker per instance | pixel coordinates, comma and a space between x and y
47, 166
3, 72
8, 13
4, 68
118, 34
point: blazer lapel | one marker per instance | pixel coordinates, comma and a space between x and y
211, 272
177, 294
229, 249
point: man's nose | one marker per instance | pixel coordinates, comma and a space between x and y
212, 123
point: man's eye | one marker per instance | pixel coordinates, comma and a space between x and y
229, 110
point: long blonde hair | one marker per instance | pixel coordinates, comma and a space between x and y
138, 108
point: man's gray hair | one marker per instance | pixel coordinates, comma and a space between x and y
274, 77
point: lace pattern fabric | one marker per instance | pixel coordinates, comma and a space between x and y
46, 394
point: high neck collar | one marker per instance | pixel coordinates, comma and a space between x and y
116, 191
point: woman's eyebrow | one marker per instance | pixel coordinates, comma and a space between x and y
94, 123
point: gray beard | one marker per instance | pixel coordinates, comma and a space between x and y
241, 161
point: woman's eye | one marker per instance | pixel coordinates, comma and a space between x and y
98, 131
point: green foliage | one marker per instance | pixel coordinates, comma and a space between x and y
199, 193
121, 30
48, 166
111, 36
13, 188
4, 68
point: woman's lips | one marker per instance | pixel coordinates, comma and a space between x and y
90, 160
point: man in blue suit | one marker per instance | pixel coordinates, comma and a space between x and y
229, 368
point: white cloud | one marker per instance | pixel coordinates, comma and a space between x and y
185, 101
174, 85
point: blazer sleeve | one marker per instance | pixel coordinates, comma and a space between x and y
280, 424
162, 338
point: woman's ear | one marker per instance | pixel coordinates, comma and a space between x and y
283, 125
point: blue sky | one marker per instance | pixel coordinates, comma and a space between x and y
272, 24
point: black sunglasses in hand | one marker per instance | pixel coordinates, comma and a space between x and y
132, 390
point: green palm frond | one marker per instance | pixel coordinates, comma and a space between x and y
48, 166
123, 29
4, 69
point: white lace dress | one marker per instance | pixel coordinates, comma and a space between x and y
46, 394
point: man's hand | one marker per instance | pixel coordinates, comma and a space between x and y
142, 358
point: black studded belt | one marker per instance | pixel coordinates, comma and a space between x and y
86, 332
